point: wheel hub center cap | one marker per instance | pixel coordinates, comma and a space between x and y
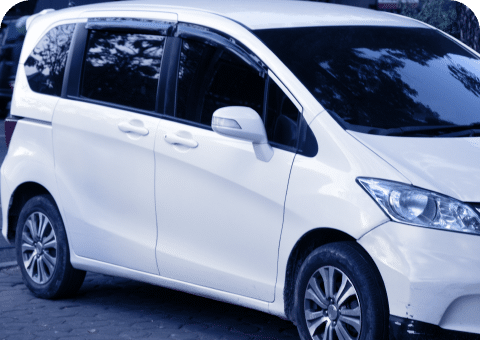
39, 248
332, 312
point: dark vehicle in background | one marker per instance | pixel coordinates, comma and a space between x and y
12, 34
11, 41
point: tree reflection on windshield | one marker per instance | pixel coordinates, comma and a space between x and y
382, 77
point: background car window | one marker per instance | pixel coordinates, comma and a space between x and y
45, 66
210, 78
123, 68
281, 121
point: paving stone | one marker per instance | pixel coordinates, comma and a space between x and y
146, 325
184, 336
135, 334
19, 337
93, 324
195, 327
50, 334
25, 312
15, 325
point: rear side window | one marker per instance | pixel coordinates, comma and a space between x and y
45, 66
122, 68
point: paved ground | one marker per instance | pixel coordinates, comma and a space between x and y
115, 308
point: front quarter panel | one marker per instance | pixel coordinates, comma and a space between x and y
323, 193
29, 159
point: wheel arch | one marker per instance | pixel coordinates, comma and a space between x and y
304, 246
19, 197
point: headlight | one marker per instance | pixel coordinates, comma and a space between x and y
410, 205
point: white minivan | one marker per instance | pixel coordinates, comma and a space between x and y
313, 161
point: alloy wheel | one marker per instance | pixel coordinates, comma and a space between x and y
331, 306
39, 247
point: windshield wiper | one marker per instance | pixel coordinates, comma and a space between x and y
470, 130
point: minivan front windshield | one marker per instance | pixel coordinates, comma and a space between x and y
397, 81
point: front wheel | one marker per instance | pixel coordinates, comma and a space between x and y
339, 295
42, 250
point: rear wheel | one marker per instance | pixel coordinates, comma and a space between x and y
42, 250
339, 295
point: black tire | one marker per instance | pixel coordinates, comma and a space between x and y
42, 253
363, 315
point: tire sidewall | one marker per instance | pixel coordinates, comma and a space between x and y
44, 205
340, 256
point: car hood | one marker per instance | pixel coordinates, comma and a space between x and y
450, 166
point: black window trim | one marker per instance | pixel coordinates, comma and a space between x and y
131, 25
74, 62
168, 83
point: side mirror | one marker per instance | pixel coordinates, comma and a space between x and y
243, 123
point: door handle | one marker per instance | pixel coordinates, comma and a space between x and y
174, 139
127, 127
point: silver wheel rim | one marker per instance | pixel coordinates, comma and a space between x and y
39, 248
331, 305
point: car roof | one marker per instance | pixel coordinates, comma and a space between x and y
264, 14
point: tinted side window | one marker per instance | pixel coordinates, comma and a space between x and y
122, 68
210, 78
45, 66
281, 121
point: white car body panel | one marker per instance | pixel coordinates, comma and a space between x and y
445, 165
105, 180
252, 13
29, 159
220, 210
430, 275
133, 14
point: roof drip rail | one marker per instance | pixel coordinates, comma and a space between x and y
187, 31
126, 24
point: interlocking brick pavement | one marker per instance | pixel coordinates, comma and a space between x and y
115, 308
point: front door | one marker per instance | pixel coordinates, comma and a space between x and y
219, 208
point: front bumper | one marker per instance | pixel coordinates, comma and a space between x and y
431, 276
407, 329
